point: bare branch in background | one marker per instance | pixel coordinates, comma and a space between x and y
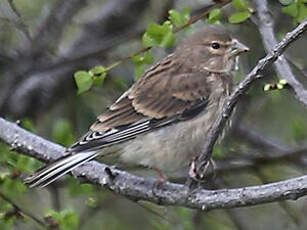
232, 164
20, 23
258, 141
52, 28
265, 24
29, 88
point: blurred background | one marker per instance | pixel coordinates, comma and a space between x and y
44, 43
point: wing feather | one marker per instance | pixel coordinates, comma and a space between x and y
164, 95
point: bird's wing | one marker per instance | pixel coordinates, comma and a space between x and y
167, 93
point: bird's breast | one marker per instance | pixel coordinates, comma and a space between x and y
171, 148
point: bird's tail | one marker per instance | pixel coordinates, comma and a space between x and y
59, 168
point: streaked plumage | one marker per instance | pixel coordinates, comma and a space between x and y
162, 120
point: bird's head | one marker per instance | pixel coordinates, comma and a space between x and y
212, 49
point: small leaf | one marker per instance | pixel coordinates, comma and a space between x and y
179, 18
239, 17
67, 219
215, 15
285, 2
302, 12
291, 10
283, 82
141, 61
159, 35
280, 86
146, 58
240, 4
266, 87
84, 81
138, 71
97, 70
98, 73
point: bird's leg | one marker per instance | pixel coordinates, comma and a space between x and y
162, 176
160, 181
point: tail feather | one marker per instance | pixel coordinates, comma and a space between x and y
59, 168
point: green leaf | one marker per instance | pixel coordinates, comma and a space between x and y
12, 187
98, 73
146, 58
215, 15
62, 132
159, 35
239, 17
140, 63
302, 12
291, 10
179, 18
240, 4
84, 81
285, 2
267, 87
67, 219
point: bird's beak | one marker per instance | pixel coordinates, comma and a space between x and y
238, 48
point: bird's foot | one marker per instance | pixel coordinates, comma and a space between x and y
199, 176
159, 182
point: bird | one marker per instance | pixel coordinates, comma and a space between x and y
162, 120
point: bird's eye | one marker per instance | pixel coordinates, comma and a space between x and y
215, 45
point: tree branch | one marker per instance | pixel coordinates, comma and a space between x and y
265, 24
51, 29
140, 188
21, 25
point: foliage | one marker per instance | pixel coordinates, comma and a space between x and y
67, 219
273, 112
295, 8
141, 61
86, 79
215, 16
244, 11
177, 18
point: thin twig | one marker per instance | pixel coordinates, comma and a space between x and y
23, 212
245, 163
259, 141
21, 23
265, 24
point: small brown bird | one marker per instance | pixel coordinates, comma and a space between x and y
162, 121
